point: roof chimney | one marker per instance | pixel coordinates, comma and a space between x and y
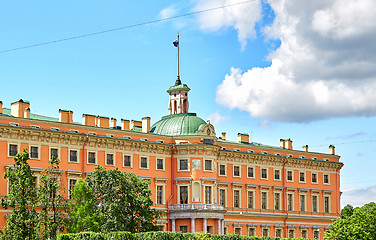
332, 149
65, 116
103, 121
136, 124
17, 108
1, 107
88, 119
243, 138
282, 143
113, 122
124, 124
146, 124
305, 148
27, 113
224, 135
289, 144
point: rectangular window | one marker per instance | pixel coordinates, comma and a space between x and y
222, 197
250, 172
91, 158
264, 173
277, 175
183, 229
316, 234
326, 179
208, 165
72, 182
238, 231
302, 203
250, 199
301, 177
264, 199
54, 153
13, 150
251, 231
304, 233
184, 195
73, 156
160, 195
127, 161
208, 190
326, 205
236, 171
314, 178
34, 153
110, 159
289, 176
291, 233
236, 198
183, 164
314, 203
277, 201
144, 162
160, 164
265, 232
278, 233
222, 170
290, 202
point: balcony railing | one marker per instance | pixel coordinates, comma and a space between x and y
198, 206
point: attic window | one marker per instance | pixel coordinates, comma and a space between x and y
144, 139
92, 134
250, 151
109, 135
289, 155
34, 126
314, 158
277, 154
160, 141
326, 159
236, 150
13, 124
264, 152
223, 148
54, 129
73, 131
301, 156
127, 137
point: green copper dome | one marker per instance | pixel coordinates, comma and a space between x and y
178, 124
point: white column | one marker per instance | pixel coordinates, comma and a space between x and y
223, 226
192, 225
172, 225
219, 225
205, 225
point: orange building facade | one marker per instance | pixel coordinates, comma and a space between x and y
203, 183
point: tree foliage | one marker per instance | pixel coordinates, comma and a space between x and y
83, 216
51, 201
361, 224
122, 200
347, 211
22, 198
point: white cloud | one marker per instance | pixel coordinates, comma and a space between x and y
358, 197
167, 12
216, 118
323, 68
242, 17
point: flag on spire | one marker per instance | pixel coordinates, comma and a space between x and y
176, 43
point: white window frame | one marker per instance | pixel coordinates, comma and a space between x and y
163, 163
37, 146
219, 170
317, 202
188, 165
275, 231
211, 164
254, 198
233, 170
58, 152
240, 197
292, 175
317, 178
78, 155
267, 173
163, 185
114, 158
254, 231
147, 162
96, 157
329, 203
323, 179
130, 160
280, 174
280, 200
267, 199
211, 193
219, 196
305, 202
253, 177
8, 148
292, 200
68, 179
305, 177
188, 192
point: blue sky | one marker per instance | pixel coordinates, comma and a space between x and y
274, 69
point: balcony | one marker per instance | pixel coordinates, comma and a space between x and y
199, 206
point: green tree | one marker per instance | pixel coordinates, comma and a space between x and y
123, 201
22, 198
51, 201
83, 216
347, 211
360, 225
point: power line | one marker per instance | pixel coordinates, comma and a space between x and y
124, 27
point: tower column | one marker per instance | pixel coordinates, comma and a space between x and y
205, 225
172, 225
193, 225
